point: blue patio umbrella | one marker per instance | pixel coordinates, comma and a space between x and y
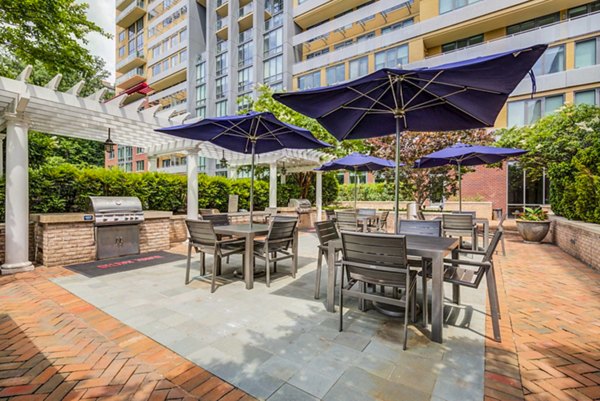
464, 95
357, 162
462, 154
250, 133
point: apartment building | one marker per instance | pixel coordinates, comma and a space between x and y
213, 53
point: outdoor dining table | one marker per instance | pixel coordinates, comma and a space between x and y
433, 248
365, 219
249, 232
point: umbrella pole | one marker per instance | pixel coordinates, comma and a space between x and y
252, 185
355, 188
459, 189
397, 176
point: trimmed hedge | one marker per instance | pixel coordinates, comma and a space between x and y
380, 191
66, 188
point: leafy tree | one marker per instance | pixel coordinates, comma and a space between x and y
567, 145
423, 184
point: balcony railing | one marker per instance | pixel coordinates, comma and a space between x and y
125, 77
132, 13
247, 9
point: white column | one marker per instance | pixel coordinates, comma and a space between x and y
17, 197
232, 172
273, 184
2, 154
283, 178
192, 184
319, 194
152, 163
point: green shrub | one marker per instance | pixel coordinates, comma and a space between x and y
367, 192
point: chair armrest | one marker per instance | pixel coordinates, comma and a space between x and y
227, 241
468, 251
466, 262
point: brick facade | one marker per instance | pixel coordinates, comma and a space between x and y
114, 162
578, 239
489, 184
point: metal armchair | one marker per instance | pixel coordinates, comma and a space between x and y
276, 245
326, 232
460, 225
347, 220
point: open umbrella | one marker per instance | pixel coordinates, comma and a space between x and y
251, 133
463, 95
462, 154
357, 162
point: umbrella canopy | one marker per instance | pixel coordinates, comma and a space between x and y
250, 133
463, 95
357, 162
462, 154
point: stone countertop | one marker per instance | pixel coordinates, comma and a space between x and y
60, 218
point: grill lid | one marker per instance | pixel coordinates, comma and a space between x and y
115, 204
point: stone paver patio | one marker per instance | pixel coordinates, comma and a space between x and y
142, 334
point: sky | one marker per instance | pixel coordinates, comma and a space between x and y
102, 12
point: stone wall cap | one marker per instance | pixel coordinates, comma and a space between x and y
156, 214
591, 227
58, 218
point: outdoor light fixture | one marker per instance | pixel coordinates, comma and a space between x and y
108, 144
223, 160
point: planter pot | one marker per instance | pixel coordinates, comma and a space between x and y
533, 231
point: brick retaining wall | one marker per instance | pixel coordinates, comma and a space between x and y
177, 230
60, 244
579, 239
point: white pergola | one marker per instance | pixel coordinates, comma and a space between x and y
24, 106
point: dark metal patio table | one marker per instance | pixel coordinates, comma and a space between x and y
433, 248
248, 232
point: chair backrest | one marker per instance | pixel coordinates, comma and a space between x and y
220, 219
430, 228
474, 214
346, 221
201, 233
271, 210
384, 216
491, 249
326, 231
457, 222
500, 226
281, 232
375, 258
330, 214
367, 212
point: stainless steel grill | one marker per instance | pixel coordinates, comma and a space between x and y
116, 221
302, 206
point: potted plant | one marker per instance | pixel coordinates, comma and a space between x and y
533, 224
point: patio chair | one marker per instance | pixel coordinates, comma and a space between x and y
469, 273
500, 228
326, 232
330, 215
347, 220
202, 237
206, 212
278, 241
220, 219
378, 259
381, 223
460, 225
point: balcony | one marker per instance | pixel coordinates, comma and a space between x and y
245, 16
131, 78
122, 4
132, 13
169, 77
221, 27
136, 59
222, 9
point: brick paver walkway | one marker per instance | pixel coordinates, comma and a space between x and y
550, 307
54, 346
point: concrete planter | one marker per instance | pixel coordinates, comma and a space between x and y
533, 231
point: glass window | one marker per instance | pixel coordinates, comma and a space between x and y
245, 52
221, 108
396, 26
201, 72
586, 53
317, 53
221, 87
201, 112
221, 64
121, 51
527, 112
245, 79
586, 97
553, 60
459, 44
273, 69
121, 36
551, 103
359, 67
449, 5
365, 36
273, 42
309, 81
391, 58
139, 165
533, 23
200, 95
584, 9
343, 44
336, 74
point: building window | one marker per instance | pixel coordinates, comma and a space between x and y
553, 60
526, 190
245, 52
533, 23
527, 112
309, 81
584, 9
449, 5
122, 36
273, 70
139, 151
365, 36
221, 61
396, 26
200, 95
221, 108
135, 37
591, 97
391, 58
317, 53
273, 42
586, 53
245, 79
359, 67
336, 74
111, 154
201, 73
121, 51
459, 44
139, 165
221, 87
343, 44
201, 112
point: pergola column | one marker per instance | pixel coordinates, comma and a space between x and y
152, 163
273, 184
283, 178
319, 194
17, 197
232, 172
192, 183
2, 154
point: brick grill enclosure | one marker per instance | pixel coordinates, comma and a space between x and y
579, 239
